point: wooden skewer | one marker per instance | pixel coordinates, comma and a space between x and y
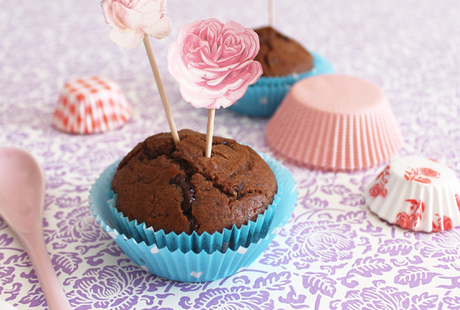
270, 13
209, 132
161, 89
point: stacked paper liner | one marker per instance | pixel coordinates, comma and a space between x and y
91, 105
335, 123
194, 258
416, 193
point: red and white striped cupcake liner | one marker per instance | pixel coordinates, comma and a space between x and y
91, 105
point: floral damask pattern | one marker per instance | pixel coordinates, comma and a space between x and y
237, 297
76, 226
380, 296
250, 295
98, 290
333, 253
325, 242
443, 247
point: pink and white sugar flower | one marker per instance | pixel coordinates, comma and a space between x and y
132, 19
213, 62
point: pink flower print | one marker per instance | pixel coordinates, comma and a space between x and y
403, 220
379, 187
132, 19
443, 225
412, 220
213, 62
415, 174
384, 192
430, 173
382, 176
375, 190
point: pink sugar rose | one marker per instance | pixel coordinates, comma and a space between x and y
131, 19
213, 62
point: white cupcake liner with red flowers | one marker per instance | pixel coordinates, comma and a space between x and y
416, 193
89, 105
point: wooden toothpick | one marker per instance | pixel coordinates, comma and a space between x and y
209, 132
161, 89
270, 13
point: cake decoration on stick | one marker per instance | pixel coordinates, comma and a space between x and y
132, 21
209, 132
213, 63
270, 13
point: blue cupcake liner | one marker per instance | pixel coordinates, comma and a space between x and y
169, 260
264, 97
228, 239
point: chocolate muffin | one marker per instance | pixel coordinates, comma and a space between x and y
178, 190
280, 55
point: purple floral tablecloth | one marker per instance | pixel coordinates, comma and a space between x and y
333, 253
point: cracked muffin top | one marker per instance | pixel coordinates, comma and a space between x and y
178, 189
280, 55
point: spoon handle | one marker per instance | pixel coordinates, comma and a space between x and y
51, 287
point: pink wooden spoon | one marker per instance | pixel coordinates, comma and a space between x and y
22, 190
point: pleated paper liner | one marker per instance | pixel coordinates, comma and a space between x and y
263, 98
335, 123
229, 238
416, 193
91, 105
191, 257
